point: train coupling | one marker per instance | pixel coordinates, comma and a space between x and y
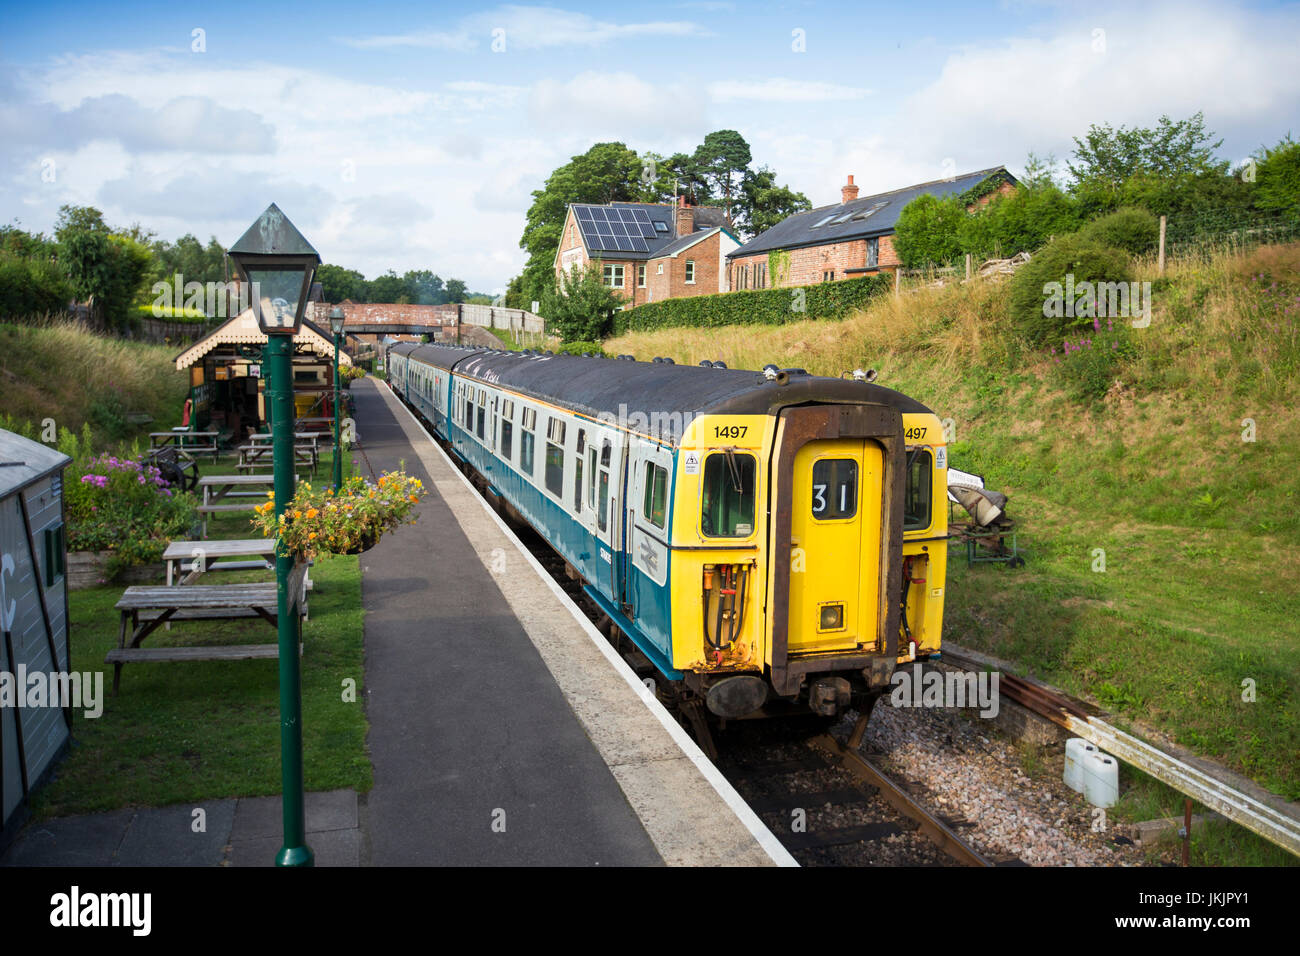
829, 695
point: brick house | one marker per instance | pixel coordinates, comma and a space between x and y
852, 238
648, 251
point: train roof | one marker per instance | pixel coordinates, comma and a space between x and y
617, 388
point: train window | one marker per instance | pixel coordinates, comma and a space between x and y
577, 485
555, 469
916, 494
727, 506
655, 502
604, 499
526, 453
507, 429
591, 477
834, 488
482, 419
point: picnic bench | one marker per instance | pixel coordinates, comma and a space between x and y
262, 456
181, 472
144, 608
220, 490
187, 443
186, 560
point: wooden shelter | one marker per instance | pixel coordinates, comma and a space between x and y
33, 619
227, 390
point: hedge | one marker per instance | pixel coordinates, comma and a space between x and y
826, 300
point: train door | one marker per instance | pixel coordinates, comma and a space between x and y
598, 474
649, 470
835, 545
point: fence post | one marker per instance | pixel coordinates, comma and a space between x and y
968, 267
898, 281
1162, 245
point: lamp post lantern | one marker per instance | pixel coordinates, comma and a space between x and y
278, 264
336, 326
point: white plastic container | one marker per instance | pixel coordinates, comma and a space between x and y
1101, 779
1077, 750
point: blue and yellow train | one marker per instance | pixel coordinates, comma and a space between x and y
765, 539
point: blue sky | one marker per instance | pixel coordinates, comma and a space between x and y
396, 135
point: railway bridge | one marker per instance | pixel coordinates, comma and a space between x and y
459, 323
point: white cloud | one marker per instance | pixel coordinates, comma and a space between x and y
528, 28
619, 105
781, 90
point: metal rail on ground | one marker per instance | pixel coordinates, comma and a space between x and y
1254, 815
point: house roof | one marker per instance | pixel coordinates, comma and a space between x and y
685, 242
863, 217
634, 230
243, 330
22, 461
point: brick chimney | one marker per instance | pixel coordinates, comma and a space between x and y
848, 192
685, 217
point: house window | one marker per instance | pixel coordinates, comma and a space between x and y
640, 277
614, 276
690, 272
873, 253
661, 269
828, 276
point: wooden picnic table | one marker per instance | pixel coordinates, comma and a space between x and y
143, 609
262, 456
219, 489
199, 443
186, 560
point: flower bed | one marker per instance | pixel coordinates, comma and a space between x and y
352, 521
125, 510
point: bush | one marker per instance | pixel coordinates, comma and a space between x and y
1019, 221
581, 308
1089, 363
927, 230
1134, 230
580, 348
123, 506
827, 300
1053, 296
171, 314
32, 287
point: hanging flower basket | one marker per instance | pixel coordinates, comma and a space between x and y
350, 522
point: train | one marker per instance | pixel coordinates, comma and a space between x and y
769, 541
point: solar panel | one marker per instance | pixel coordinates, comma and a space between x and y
624, 243
620, 229
641, 215
640, 245
583, 214
647, 229
605, 229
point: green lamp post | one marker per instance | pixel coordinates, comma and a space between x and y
278, 264
336, 326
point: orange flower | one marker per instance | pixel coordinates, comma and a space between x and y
312, 536
311, 512
297, 514
413, 498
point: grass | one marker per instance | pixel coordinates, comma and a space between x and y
183, 732
63, 372
1201, 587
517, 341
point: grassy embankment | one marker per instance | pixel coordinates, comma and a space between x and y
1201, 587
62, 372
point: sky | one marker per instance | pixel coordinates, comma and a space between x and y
410, 135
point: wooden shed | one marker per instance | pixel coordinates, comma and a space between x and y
34, 619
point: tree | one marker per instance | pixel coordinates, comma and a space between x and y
426, 287
607, 172
1277, 176
1106, 157
581, 309
456, 290
761, 203
722, 160
338, 283
389, 287
102, 266
927, 230
75, 219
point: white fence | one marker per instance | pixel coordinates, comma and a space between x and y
494, 317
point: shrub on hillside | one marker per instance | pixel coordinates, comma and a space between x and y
1019, 221
827, 300
1134, 230
927, 231
1055, 294
31, 287
580, 348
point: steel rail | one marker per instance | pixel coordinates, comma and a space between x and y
1258, 817
902, 801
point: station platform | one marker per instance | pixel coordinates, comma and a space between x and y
504, 730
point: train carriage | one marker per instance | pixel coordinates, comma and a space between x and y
764, 538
